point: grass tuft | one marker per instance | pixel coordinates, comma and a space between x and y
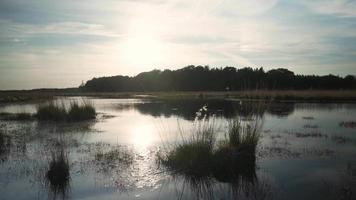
58, 112
4, 146
58, 174
202, 156
51, 111
81, 112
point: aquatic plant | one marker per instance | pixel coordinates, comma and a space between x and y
58, 175
51, 111
312, 134
4, 146
201, 156
58, 112
341, 139
16, 116
311, 126
308, 117
193, 156
114, 155
82, 112
349, 124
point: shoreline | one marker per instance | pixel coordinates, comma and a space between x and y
318, 96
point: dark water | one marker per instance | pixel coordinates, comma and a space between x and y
307, 151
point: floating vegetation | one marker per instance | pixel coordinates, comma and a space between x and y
277, 136
16, 116
58, 175
285, 152
341, 139
114, 155
312, 134
311, 126
58, 112
350, 124
308, 118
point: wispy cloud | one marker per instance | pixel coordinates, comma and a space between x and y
342, 8
129, 36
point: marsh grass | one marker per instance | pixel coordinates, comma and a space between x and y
193, 155
58, 175
4, 146
202, 156
53, 111
16, 116
77, 112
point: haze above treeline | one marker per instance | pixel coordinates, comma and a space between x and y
204, 78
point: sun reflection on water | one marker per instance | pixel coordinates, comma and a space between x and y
143, 136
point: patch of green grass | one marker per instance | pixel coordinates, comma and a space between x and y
58, 112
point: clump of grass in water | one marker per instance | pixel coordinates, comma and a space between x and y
81, 112
235, 158
51, 111
4, 146
193, 156
58, 175
58, 112
201, 156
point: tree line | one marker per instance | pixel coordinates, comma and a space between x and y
204, 78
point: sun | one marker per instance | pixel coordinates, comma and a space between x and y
143, 136
142, 46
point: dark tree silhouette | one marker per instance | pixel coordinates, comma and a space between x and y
203, 78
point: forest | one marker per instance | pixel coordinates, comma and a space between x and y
204, 78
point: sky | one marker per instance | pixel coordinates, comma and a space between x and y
56, 44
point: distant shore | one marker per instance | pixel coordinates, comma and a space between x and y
271, 95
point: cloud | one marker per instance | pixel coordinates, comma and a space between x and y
342, 8
128, 37
19, 30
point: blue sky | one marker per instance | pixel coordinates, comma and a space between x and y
45, 43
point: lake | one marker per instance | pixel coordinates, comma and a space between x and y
306, 151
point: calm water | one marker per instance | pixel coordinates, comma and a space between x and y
306, 152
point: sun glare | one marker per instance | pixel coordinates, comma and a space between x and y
143, 136
142, 46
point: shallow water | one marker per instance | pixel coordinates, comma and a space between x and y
305, 151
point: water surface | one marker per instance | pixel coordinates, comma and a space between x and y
306, 151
